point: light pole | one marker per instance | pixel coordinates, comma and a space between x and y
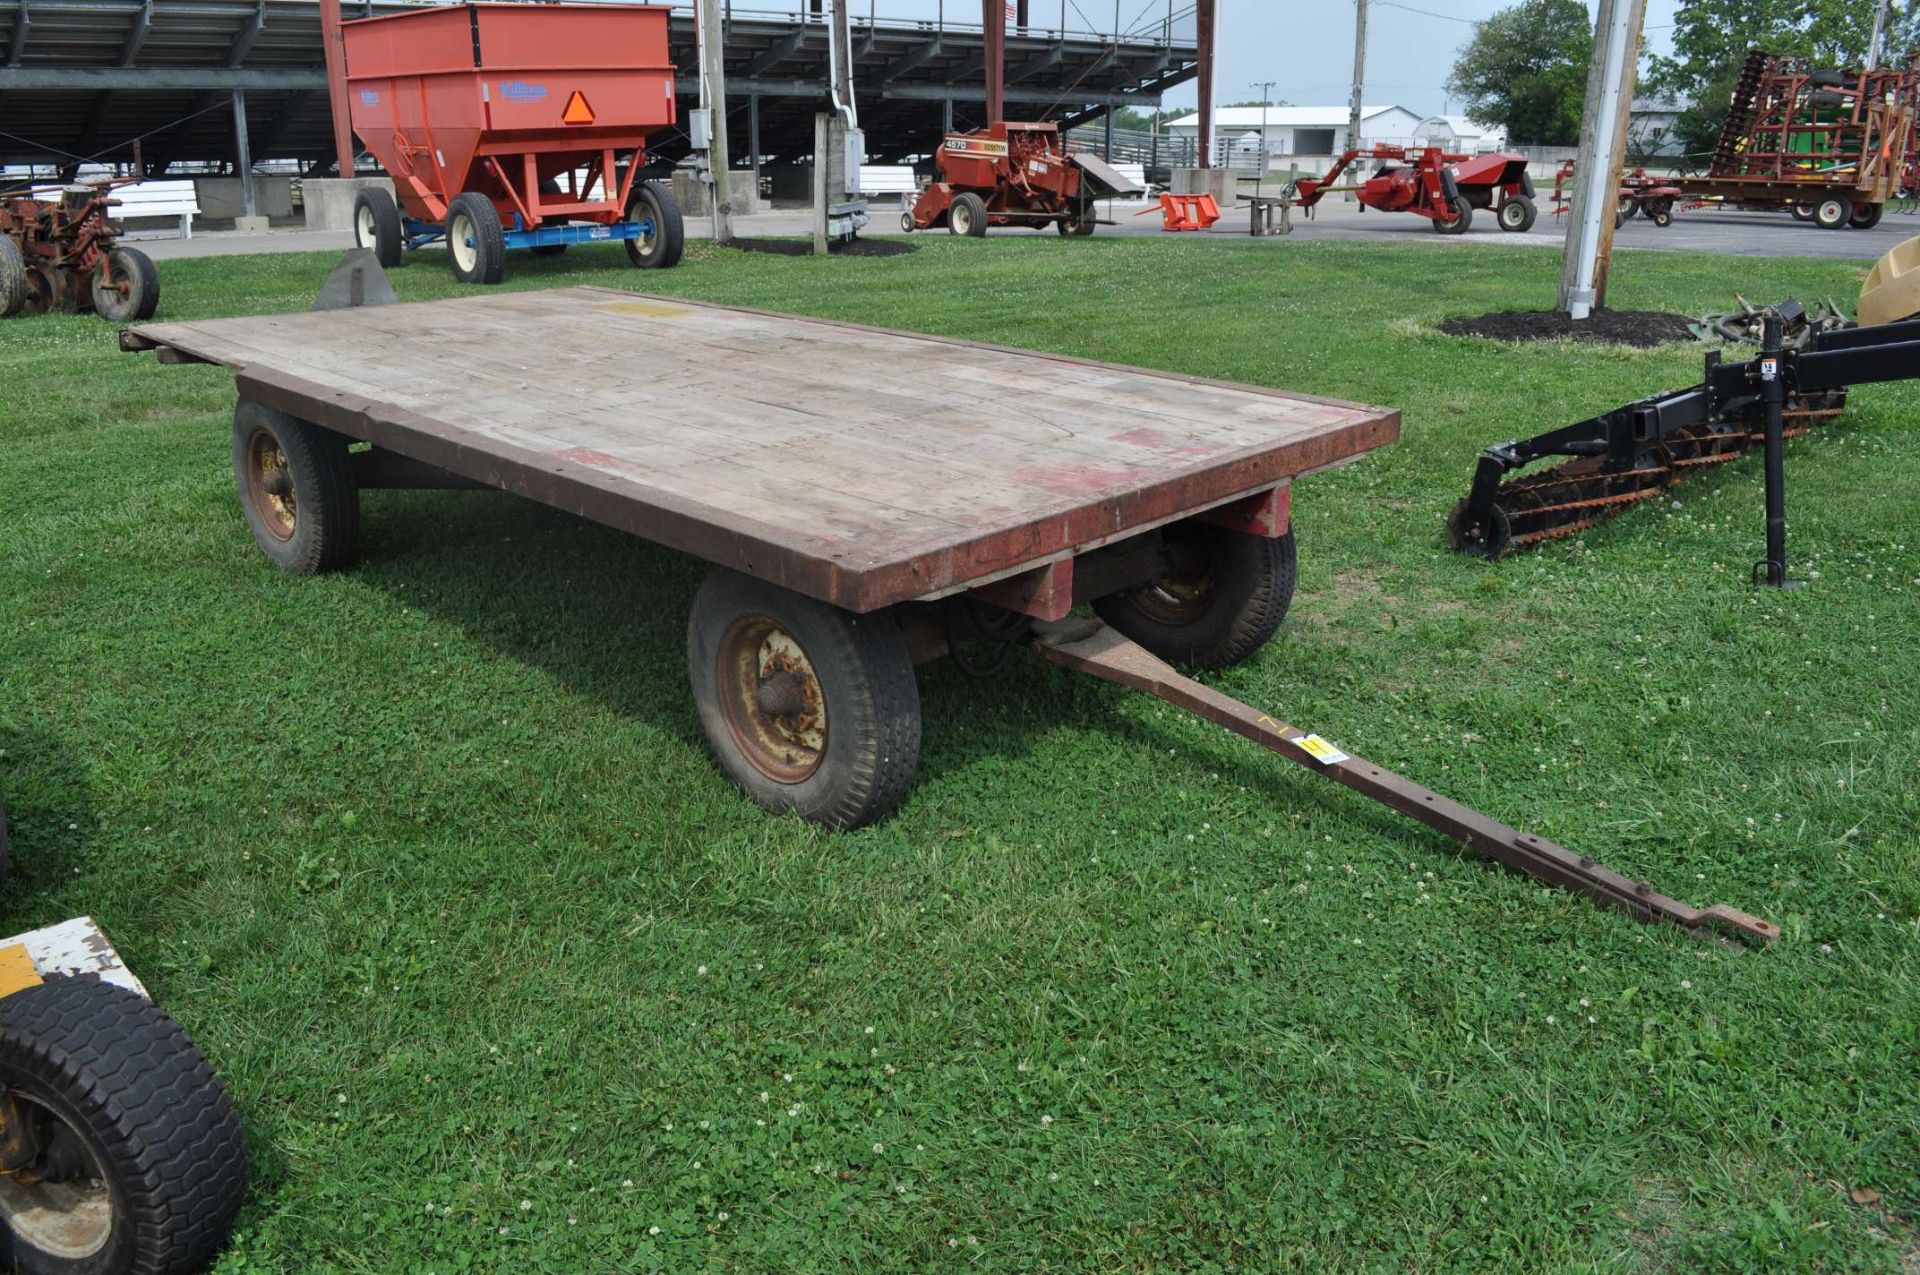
1266, 94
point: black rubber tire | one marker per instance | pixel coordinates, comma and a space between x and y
13, 278
1077, 224
159, 1124
1462, 218
1802, 212
135, 291
655, 201
1521, 219
1253, 579
1866, 217
326, 524
1833, 212
866, 678
376, 225
967, 216
489, 264
906, 223
1627, 210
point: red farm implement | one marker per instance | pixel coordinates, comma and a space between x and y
59, 251
1832, 145
504, 126
1441, 187
1013, 174
1648, 196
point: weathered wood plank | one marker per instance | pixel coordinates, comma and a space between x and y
861, 466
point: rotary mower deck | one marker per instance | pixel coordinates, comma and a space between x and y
1444, 188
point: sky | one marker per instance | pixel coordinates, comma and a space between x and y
1305, 46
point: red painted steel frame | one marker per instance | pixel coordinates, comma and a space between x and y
478, 97
1415, 183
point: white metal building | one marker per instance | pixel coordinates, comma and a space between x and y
1296, 130
1460, 135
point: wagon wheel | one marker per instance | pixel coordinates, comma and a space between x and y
1221, 597
1867, 217
1833, 212
376, 225
476, 243
127, 287
1517, 214
13, 278
1461, 219
809, 709
1803, 212
663, 235
1624, 211
1659, 211
296, 489
126, 1152
1079, 223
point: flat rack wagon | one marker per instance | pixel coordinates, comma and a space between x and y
868, 499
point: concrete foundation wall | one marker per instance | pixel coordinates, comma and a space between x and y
220, 197
691, 194
328, 201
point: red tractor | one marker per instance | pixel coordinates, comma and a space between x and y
1011, 174
1441, 187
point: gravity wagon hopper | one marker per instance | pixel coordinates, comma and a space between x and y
504, 126
868, 500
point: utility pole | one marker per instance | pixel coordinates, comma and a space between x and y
1879, 32
1266, 94
1603, 147
1359, 78
713, 79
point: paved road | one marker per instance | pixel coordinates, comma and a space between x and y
1732, 234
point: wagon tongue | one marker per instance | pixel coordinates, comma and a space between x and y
1087, 646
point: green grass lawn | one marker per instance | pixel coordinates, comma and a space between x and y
430, 860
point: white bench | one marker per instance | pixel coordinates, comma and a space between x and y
159, 199
888, 179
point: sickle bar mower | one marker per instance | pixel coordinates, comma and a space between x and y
1443, 188
1633, 452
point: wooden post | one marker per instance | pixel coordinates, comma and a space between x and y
334, 45
1603, 148
713, 66
1203, 14
1359, 80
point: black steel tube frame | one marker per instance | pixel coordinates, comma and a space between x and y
1728, 391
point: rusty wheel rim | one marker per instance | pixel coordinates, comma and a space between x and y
270, 485
1175, 600
71, 1219
775, 707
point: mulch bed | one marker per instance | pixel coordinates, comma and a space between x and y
1642, 328
838, 248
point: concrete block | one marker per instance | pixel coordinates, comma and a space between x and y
328, 201
1222, 183
252, 225
221, 200
691, 194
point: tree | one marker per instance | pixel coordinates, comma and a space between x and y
1525, 70
1711, 39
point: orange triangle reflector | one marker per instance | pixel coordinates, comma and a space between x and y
577, 112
